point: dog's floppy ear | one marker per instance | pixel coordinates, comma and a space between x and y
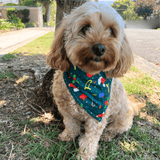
125, 60
57, 57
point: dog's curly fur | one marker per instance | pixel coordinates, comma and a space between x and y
73, 45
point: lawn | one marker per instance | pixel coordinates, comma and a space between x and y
27, 132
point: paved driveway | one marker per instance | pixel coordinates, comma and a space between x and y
145, 43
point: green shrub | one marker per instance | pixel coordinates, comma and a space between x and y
11, 12
23, 14
126, 9
30, 24
5, 25
12, 16
10, 4
17, 22
31, 3
129, 14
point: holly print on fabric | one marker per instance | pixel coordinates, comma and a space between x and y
91, 92
74, 79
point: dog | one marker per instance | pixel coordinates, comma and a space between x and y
91, 51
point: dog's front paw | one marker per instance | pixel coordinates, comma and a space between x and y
83, 157
107, 136
64, 136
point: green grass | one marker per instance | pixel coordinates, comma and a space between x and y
9, 56
6, 74
135, 144
143, 84
42, 143
134, 69
46, 146
39, 46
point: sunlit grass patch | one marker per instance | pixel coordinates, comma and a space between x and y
142, 84
133, 68
40, 45
141, 143
129, 147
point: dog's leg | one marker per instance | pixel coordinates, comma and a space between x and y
121, 113
72, 127
89, 142
120, 123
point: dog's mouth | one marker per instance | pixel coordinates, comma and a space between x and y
96, 59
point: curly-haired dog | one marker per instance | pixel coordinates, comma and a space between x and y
90, 51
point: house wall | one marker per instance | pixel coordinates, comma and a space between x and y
35, 14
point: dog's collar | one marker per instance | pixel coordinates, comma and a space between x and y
91, 92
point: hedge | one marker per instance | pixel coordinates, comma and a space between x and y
23, 14
10, 4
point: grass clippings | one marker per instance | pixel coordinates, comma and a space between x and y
28, 131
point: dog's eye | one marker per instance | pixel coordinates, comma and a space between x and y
85, 28
111, 31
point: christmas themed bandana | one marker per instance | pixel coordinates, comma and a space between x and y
91, 92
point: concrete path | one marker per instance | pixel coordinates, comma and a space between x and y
145, 44
12, 40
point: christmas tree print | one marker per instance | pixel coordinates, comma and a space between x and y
74, 79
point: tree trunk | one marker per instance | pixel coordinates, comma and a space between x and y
65, 6
44, 93
47, 14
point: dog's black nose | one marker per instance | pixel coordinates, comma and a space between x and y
98, 49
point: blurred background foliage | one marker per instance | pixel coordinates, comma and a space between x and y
130, 10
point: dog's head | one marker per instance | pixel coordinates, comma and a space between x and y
92, 38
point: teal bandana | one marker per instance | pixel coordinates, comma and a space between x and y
91, 92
